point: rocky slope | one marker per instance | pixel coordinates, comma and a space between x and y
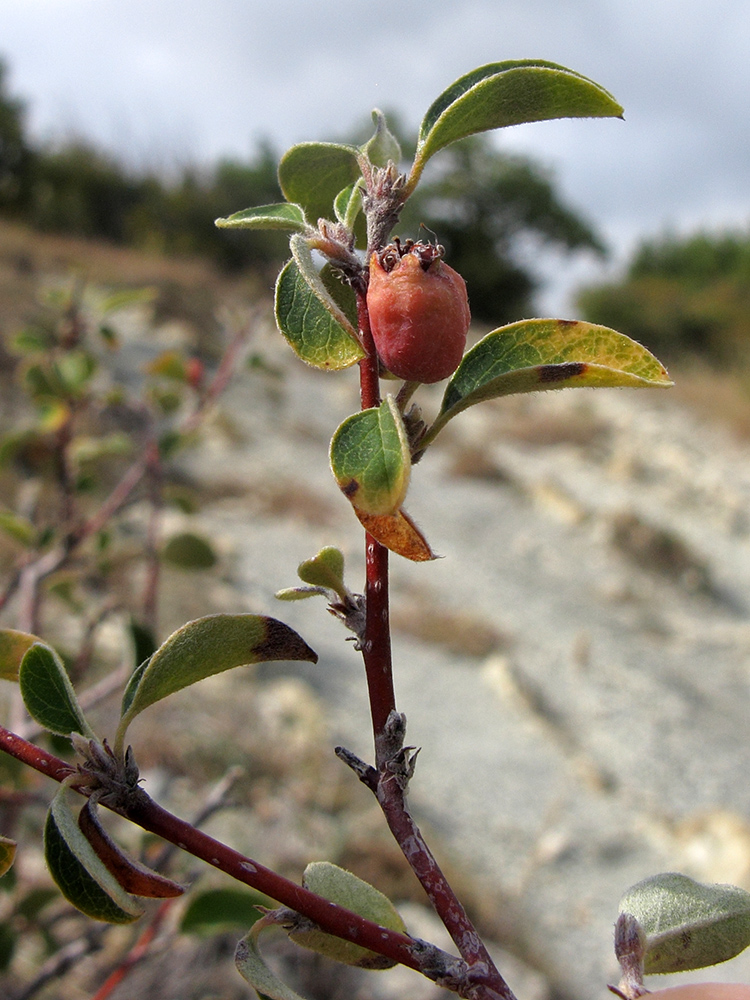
577, 667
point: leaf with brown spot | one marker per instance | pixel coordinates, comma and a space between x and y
536, 354
205, 647
134, 877
398, 533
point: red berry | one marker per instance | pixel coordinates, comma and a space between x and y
419, 311
194, 372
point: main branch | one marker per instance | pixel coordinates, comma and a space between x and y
393, 766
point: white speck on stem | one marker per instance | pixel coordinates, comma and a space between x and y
215, 861
247, 866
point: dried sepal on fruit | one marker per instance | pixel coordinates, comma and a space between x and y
419, 311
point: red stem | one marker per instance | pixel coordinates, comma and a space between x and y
390, 787
150, 816
376, 648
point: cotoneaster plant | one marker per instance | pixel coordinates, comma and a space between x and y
352, 296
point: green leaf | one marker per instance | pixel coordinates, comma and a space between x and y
219, 910
383, 147
300, 593
314, 324
18, 528
345, 889
688, 925
189, 551
143, 639
508, 93
48, 694
205, 647
283, 216
7, 854
8, 940
326, 569
75, 369
13, 646
254, 970
348, 204
537, 354
80, 875
311, 174
370, 459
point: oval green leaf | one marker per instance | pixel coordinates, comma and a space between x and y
13, 646
219, 910
19, 528
80, 875
289, 218
342, 887
371, 460
313, 322
205, 647
383, 147
48, 694
189, 551
326, 569
509, 93
688, 925
536, 354
311, 175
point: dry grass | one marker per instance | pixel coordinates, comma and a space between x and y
719, 397
419, 614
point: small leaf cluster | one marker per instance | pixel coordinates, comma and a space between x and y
343, 202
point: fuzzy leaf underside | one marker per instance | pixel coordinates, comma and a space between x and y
314, 324
253, 969
286, 217
539, 354
218, 910
80, 875
370, 459
342, 887
48, 694
205, 647
510, 93
688, 924
311, 174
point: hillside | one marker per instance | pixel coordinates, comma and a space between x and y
576, 668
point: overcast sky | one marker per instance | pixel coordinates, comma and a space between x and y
167, 81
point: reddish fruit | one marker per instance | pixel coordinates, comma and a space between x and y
419, 311
194, 372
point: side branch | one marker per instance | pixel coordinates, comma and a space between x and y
343, 923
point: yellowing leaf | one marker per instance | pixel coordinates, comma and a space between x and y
13, 646
398, 533
539, 354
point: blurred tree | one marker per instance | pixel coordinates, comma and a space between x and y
78, 189
682, 295
15, 153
